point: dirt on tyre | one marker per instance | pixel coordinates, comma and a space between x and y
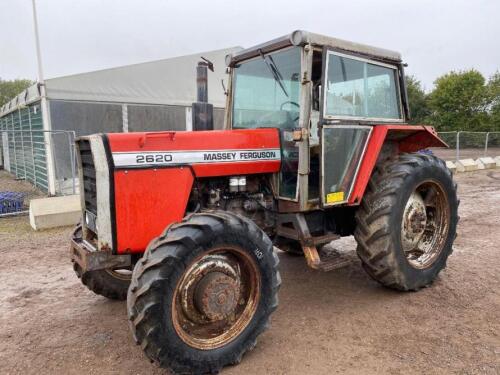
112, 284
203, 292
406, 223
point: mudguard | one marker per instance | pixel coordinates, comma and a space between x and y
410, 138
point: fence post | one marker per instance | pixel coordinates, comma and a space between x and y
14, 141
32, 147
486, 144
458, 146
22, 139
72, 160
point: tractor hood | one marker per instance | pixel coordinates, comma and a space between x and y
208, 153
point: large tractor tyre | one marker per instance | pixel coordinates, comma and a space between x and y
407, 221
203, 292
112, 284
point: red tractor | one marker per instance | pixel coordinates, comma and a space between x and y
315, 147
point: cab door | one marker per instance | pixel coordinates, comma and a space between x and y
343, 139
357, 92
342, 150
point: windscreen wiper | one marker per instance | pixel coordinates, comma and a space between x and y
274, 71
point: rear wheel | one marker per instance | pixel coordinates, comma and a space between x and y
203, 292
407, 221
110, 283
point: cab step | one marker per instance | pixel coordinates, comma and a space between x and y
327, 261
295, 227
333, 260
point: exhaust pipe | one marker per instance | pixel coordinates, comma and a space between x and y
202, 111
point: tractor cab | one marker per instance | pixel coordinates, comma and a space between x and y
325, 95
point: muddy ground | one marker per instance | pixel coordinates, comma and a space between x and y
337, 322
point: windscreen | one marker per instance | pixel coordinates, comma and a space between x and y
267, 91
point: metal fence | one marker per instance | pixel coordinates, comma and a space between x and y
25, 156
468, 144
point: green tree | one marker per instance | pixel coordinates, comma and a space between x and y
417, 100
9, 89
494, 99
460, 101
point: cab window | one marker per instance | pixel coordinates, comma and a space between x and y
356, 88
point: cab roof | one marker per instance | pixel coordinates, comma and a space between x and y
301, 37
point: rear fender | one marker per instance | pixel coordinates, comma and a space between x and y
408, 139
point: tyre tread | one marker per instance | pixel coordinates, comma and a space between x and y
373, 231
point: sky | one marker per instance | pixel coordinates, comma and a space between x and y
434, 36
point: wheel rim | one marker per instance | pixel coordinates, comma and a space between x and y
216, 298
121, 274
425, 224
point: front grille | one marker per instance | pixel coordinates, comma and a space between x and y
89, 176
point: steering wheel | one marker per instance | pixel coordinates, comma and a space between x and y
289, 102
293, 103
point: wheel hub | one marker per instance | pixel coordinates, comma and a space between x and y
425, 224
414, 222
211, 289
216, 296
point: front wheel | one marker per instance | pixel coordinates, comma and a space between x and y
203, 292
109, 283
407, 221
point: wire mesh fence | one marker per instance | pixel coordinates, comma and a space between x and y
492, 147
450, 138
466, 144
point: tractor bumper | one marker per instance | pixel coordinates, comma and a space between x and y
90, 259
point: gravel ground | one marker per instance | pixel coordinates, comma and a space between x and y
337, 322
